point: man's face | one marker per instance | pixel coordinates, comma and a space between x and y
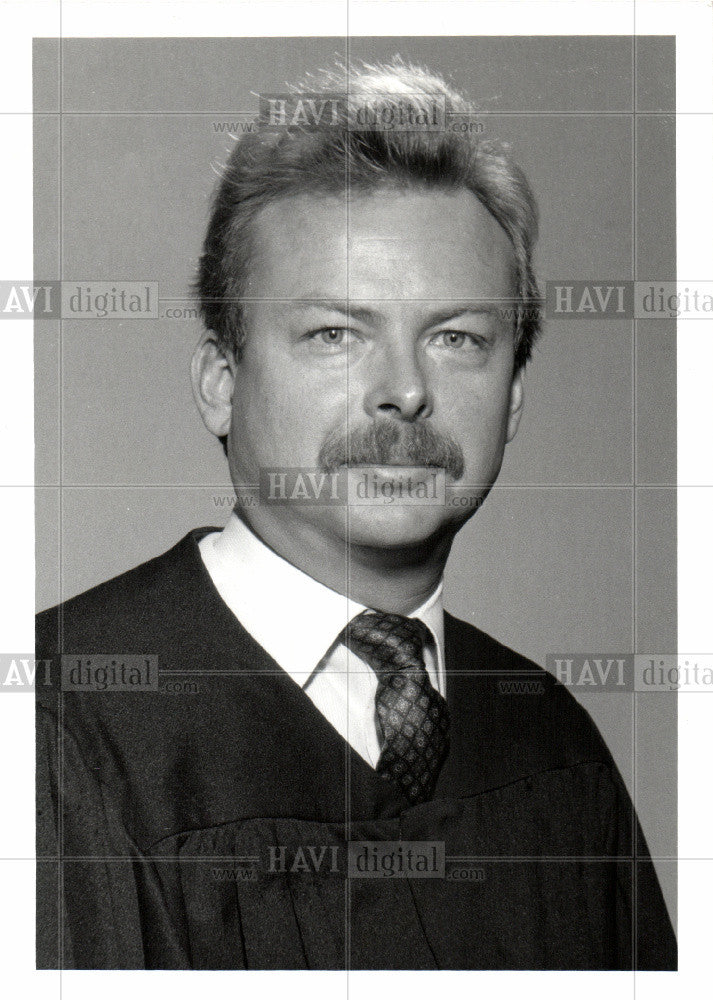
378, 313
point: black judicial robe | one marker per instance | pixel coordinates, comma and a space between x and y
186, 830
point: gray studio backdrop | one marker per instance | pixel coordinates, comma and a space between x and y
575, 549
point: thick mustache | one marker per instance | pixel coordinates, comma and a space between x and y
390, 442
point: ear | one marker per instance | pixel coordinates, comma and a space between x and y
212, 378
517, 398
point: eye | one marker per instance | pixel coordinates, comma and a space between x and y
329, 339
456, 339
333, 335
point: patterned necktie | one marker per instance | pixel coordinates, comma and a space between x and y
413, 715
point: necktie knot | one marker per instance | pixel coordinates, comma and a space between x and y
411, 714
386, 641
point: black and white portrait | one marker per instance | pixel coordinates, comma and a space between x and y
355, 370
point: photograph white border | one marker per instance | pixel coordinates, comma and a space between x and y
691, 23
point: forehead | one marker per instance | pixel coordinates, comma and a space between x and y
390, 244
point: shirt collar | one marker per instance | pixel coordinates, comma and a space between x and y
294, 617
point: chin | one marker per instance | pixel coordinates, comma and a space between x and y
395, 527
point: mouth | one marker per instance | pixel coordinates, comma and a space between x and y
393, 472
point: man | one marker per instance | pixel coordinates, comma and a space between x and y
370, 305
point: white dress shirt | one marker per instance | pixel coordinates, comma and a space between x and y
297, 620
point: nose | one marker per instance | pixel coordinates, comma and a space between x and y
399, 388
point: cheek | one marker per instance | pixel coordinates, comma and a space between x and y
476, 404
478, 417
282, 421
263, 420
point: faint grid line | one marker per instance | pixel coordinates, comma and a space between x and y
60, 467
253, 114
60, 621
460, 486
242, 859
348, 565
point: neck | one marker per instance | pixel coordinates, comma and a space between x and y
398, 579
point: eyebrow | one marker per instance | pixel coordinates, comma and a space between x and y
366, 314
